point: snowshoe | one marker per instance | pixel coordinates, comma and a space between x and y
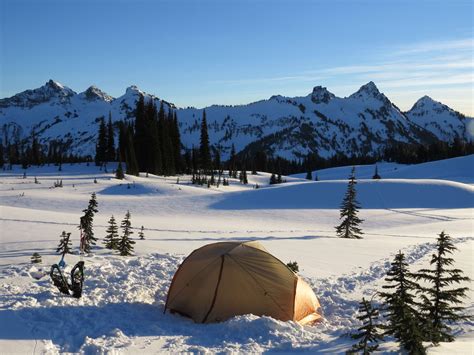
77, 279
59, 280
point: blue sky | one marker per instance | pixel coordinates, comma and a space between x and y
197, 53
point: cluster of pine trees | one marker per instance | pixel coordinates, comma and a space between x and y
105, 146
29, 151
153, 143
122, 244
417, 307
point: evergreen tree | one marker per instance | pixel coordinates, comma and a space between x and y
168, 156
125, 244
368, 334
293, 266
176, 139
2, 155
101, 146
204, 150
440, 301
35, 258
110, 140
401, 308
245, 180
349, 227
64, 246
112, 237
154, 139
309, 175
130, 156
35, 150
273, 179
119, 172
139, 137
86, 224
141, 233
232, 161
376, 173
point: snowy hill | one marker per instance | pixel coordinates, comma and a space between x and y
121, 309
460, 169
364, 122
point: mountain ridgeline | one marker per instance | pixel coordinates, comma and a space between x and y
53, 121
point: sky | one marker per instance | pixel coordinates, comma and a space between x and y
198, 53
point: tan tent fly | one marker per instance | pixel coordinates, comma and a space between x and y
225, 279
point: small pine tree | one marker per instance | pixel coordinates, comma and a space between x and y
293, 266
86, 225
440, 299
309, 175
141, 234
125, 244
279, 179
273, 179
119, 172
369, 333
64, 246
112, 237
401, 308
349, 227
376, 174
36, 258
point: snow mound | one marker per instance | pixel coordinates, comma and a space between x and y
123, 301
373, 194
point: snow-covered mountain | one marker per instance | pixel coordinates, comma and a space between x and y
362, 123
439, 119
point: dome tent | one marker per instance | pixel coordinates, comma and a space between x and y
225, 279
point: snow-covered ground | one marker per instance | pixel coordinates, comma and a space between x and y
122, 306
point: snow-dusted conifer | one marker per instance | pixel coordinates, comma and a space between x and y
112, 237
349, 227
376, 174
86, 224
440, 300
119, 172
369, 333
64, 246
401, 307
141, 233
125, 244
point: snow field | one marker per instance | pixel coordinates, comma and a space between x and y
122, 306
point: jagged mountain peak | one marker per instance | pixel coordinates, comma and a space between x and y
425, 101
49, 91
370, 91
55, 87
426, 104
93, 93
133, 90
321, 94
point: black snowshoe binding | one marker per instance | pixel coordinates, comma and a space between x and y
59, 280
77, 280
